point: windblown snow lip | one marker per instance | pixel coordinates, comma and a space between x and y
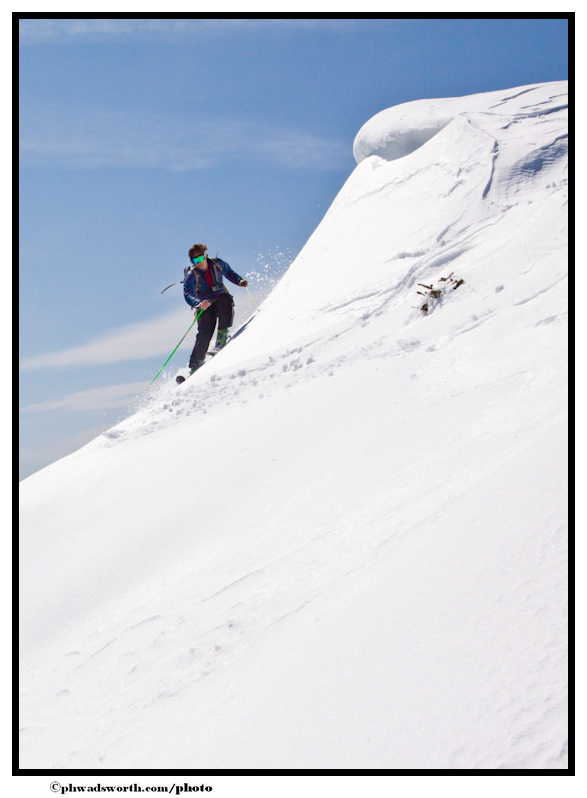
393, 135
402, 129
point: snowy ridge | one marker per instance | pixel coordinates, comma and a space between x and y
353, 517
487, 165
401, 130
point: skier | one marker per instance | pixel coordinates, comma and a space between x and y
203, 289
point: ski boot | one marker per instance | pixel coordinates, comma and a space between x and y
193, 367
221, 340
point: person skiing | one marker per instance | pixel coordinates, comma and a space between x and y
203, 289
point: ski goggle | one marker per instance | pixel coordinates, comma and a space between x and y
198, 260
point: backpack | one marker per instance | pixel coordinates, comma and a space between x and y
186, 271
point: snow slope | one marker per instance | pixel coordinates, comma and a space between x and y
342, 543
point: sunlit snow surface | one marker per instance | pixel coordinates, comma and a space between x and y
342, 543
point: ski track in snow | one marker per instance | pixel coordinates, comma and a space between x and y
511, 179
397, 591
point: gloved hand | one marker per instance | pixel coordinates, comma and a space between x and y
204, 305
244, 283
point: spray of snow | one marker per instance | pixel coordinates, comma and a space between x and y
262, 279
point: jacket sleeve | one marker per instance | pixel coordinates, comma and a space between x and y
229, 273
189, 291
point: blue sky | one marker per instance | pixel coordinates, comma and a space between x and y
140, 137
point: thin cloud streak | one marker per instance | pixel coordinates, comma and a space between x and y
131, 342
33, 458
91, 138
107, 398
67, 31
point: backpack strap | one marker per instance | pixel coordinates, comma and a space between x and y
217, 274
193, 269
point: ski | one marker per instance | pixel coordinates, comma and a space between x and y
212, 353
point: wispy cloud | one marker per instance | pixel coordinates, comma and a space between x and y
42, 453
108, 398
89, 138
131, 342
63, 31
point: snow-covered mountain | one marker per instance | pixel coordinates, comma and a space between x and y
342, 543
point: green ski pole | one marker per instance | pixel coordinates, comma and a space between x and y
176, 348
250, 297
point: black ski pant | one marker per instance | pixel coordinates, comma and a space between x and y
222, 311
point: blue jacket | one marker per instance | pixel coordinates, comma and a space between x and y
196, 287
